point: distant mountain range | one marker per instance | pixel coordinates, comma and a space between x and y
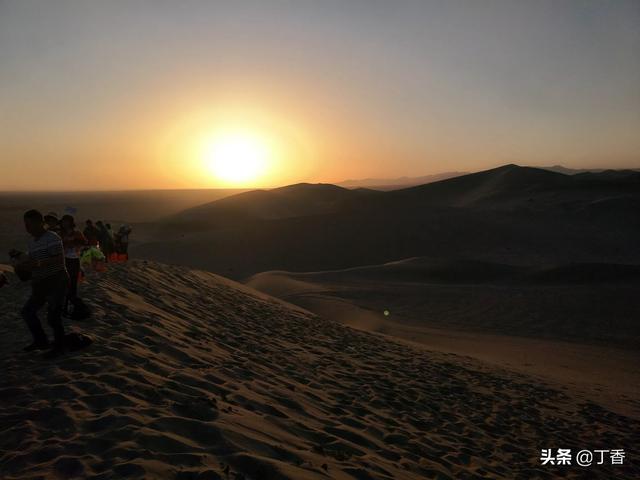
573, 171
403, 182
502, 188
506, 214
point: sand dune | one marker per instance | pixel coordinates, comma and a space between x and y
297, 200
399, 182
572, 325
467, 272
512, 186
511, 214
194, 376
584, 303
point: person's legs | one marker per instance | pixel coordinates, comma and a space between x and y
30, 314
73, 267
55, 301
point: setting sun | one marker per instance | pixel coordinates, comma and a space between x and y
236, 157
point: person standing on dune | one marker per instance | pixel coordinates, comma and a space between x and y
91, 233
123, 239
49, 281
112, 237
72, 240
52, 223
105, 239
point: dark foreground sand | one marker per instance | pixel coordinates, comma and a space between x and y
194, 376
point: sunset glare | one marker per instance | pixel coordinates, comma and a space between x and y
236, 157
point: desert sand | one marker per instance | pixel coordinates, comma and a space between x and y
573, 326
450, 330
195, 376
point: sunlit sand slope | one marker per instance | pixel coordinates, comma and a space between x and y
193, 376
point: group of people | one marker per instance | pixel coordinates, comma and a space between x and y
53, 264
109, 241
101, 234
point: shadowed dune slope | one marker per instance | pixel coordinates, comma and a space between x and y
466, 271
297, 200
400, 182
510, 185
190, 374
592, 303
509, 214
485, 185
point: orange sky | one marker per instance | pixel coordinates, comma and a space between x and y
98, 97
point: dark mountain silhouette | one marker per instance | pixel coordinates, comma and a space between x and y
406, 182
491, 185
297, 200
399, 182
508, 214
610, 176
513, 187
573, 171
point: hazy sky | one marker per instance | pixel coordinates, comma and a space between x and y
121, 94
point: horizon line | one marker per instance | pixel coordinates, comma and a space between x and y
341, 182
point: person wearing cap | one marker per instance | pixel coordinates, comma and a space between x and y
52, 223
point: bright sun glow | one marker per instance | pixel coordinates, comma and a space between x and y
236, 157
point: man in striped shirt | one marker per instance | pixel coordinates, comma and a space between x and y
49, 283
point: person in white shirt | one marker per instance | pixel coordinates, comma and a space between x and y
49, 283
